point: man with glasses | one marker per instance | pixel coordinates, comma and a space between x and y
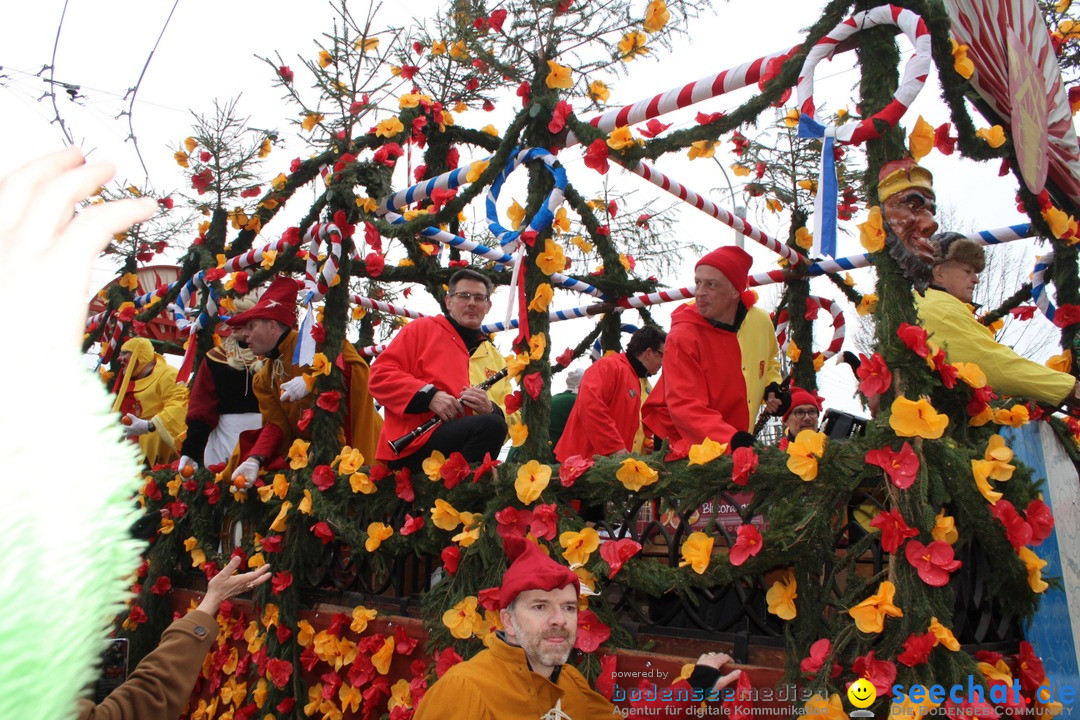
720, 362
801, 415
425, 372
606, 418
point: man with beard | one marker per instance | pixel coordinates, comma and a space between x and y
720, 361
606, 418
947, 315
523, 675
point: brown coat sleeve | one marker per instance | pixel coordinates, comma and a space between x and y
161, 684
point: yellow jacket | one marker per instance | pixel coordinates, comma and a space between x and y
954, 329
160, 398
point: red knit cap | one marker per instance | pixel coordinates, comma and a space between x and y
801, 397
733, 261
531, 569
277, 303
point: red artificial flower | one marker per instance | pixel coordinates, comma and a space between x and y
533, 384
616, 552
979, 399
201, 180
329, 401
445, 660
212, 491
305, 419
678, 450
1041, 520
166, 202
331, 683
572, 468
486, 466
894, 531
596, 157
272, 543
1017, 530
374, 264
440, 197
361, 672
411, 524
744, 463
488, 598
944, 142
874, 375
544, 522
945, 370
1030, 668
176, 509
404, 644
708, 119
591, 633
403, 486
323, 477
739, 705
565, 357
901, 467
812, 664
322, 531
524, 92
934, 562
512, 522
653, 128
388, 154
279, 672
917, 649
451, 556
747, 545
162, 585
285, 74
605, 681
604, 230
496, 19
512, 402
880, 673
914, 337
558, 117
1067, 315
454, 470
281, 581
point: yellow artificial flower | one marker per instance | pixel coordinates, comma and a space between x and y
257, 560
281, 521
265, 147
519, 433
781, 597
819, 362
270, 616
621, 137
305, 633
804, 452
311, 120
1061, 363
444, 516
400, 696
971, 374
458, 51
656, 16
438, 48
190, 144
579, 545
793, 352
433, 464
532, 479
268, 258
377, 532
632, 44
706, 452
945, 528
305, 503
361, 616
325, 59
167, 525
994, 136
917, 418
961, 63
791, 117
348, 461
553, 259
981, 469
537, 345
921, 139
298, 454
490, 130
1001, 455
832, 709
461, 619
1034, 565
701, 149
469, 534
598, 91
804, 238
1060, 222
697, 552
279, 181
868, 304
872, 231
1015, 416
635, 474
516, 213
388, 128
943, 635
361, 483
558, 76
476, 169
363, 44
541, 298
382, 657
581, 244
869, 615
515, 364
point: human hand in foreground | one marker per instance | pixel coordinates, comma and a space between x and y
225, 585
245, 474
718, 660
295, 389
134, 426
40, 229
476, 399
445, 406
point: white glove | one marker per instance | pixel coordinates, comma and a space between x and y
295, 389
245, 473
136, 427
185, 462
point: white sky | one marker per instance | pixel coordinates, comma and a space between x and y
208, 52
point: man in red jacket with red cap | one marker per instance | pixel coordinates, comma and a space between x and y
523, 675
720, 363
802, 414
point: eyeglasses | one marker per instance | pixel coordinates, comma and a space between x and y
805, 414
466, 297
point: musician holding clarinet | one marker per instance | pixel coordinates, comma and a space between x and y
430, 370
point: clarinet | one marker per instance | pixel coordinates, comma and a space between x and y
403, 442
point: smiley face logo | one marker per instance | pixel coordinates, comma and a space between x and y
861, 693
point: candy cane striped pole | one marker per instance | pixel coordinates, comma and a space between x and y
372, 350
554, 316
385, 307
254, 257
839, 330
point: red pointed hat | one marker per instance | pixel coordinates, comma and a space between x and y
733, 261
531, 569
277, 303
801, 397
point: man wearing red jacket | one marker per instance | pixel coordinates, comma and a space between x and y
606, 417
425, 370
720, 361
